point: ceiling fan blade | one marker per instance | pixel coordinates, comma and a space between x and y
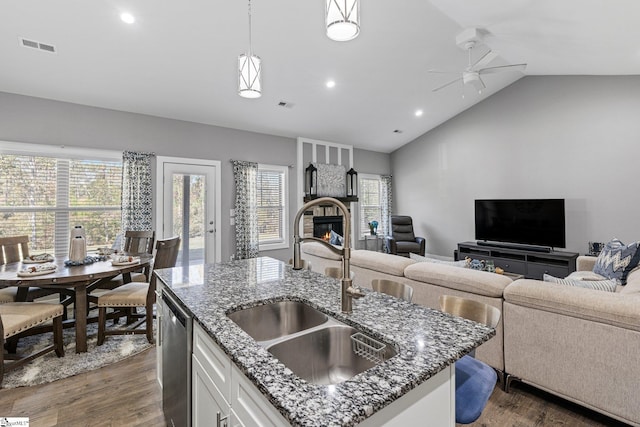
484, 60
446, 84
478, 84
442, 72
499, 68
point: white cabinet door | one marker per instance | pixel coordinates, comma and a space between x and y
250, 406
207, 402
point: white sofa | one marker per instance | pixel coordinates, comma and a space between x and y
577, 343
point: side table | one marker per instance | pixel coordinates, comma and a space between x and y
371, 242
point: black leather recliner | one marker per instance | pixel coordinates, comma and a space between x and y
402, 240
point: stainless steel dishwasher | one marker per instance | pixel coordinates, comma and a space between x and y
176, 332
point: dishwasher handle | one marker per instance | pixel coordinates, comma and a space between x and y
182, 317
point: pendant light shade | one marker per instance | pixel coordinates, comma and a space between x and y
249, 75
343, 19
249, 71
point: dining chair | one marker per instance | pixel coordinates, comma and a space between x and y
475, 380
336, 273
17, 319
15, 249
136, 294
135, 243
395, 289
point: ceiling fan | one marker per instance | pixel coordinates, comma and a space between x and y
472, 75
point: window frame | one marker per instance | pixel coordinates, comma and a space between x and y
64, 153
284, 242
362, 232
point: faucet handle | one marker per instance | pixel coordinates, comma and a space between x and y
355, 292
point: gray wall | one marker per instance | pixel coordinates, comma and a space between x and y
41, 121
571, 137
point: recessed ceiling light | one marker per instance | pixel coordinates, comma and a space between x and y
127, 17
419, 113
331, 84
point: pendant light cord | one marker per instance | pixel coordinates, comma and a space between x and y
250, 50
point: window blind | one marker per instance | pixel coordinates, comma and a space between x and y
42, 197
271, 206
370, 209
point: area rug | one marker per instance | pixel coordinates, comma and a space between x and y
50, 368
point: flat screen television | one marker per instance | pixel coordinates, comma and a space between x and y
535, 222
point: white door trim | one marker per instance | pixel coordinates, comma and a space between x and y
160, 161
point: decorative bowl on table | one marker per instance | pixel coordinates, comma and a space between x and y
38, 259
124, 260
37, 270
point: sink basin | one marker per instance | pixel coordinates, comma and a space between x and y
270, 321
324, 356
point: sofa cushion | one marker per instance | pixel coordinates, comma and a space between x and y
616, 260
462, 279
319, 250
597, 285
420, 258
604, 307
378, 261
633, 283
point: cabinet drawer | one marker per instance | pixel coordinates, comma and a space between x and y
536, 271
510, 265
214, 361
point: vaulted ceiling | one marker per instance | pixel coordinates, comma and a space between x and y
179, 59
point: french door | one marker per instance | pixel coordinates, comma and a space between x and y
189, 207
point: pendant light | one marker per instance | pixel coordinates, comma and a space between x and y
343, 19
249, 71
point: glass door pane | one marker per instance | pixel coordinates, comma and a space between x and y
188, 219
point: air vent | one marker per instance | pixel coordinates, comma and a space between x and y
32, 44
285, 104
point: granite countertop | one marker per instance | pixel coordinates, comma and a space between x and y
427, 340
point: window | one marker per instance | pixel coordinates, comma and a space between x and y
273, 207
370, 201
43, 195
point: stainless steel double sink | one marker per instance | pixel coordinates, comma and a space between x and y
316, 347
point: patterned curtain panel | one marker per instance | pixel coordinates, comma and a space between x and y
137, 195
245, 175
386, 204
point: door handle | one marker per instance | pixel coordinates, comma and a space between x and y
222, 421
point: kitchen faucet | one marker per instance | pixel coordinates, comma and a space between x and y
348, 291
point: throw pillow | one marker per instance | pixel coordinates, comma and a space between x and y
598, 285
617, 259
335, 238
421, 258
585, 275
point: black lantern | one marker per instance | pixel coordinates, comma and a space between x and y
352, 183
311, 181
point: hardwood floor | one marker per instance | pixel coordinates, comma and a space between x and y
127, 394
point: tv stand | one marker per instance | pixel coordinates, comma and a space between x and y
532, 263
531, 248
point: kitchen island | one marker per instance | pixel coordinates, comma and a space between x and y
427, 343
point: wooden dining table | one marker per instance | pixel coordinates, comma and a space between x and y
81, 279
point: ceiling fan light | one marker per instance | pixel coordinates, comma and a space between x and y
343, 19
249, 76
